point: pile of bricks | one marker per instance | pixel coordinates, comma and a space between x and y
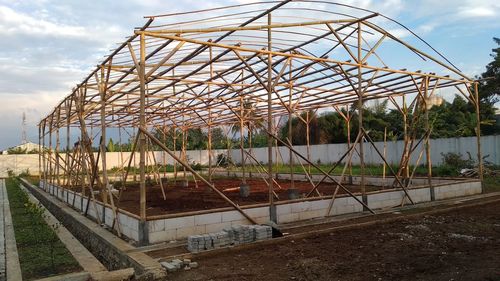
235, 235
178, 264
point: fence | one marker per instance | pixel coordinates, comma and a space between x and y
324, 153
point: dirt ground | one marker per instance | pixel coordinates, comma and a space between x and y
200, 197
463, 244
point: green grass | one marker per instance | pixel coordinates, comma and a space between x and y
373, 170
491, 183
41, 253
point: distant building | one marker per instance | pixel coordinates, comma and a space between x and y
25, 148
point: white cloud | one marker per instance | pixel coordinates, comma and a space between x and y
476, 12
14, 23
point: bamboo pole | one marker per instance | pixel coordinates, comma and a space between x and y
290, 134
272, 207
360, 119
478, 131
142, 121
427, 143
385, 150
321, 171
195, 174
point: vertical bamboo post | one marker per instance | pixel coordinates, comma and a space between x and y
478, 132
385, 151
348, 115
272, 207
174, 136
242, 142
185, 182
290, 135
209, 144
58, 147
68, 140
308, 142
143, 233
427, 140
360, 118
43, 151
50, 152
406, 140
102, 144
40, 152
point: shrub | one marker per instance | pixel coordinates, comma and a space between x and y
222, 160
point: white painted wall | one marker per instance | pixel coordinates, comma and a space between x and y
330, 153
326, 153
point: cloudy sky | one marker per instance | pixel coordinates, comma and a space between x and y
48, 46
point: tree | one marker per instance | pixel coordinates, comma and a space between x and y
218, 139
489, 92
111, 145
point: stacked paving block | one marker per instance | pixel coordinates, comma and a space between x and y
235, 235
262, 232
195, 243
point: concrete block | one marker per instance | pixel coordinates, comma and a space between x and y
290, 217
257, 212
293, 193
311, 214
162, 236
133, 234
343, 209
200, 229
262, 220
168, 266
231, 216
184, 232
179, 222
283, 209
244, 190
319, 205
156, 225
396, 195
133, 223
239, 222
300, 207
177, 263
352, 201
215, 227
207, 219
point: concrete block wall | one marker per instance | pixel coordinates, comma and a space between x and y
457, 190
129, 226
161, 230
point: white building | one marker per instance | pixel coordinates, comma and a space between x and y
27, 147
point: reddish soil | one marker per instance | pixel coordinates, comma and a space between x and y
462, 244
201, 197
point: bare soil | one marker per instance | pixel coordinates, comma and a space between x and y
198, 196
463, 244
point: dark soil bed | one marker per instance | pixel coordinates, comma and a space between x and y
201, 197
462, 244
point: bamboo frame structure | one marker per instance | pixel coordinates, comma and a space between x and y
196, 69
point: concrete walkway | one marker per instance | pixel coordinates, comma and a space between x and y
10, 268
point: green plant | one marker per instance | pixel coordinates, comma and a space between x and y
222, 160
25, 173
